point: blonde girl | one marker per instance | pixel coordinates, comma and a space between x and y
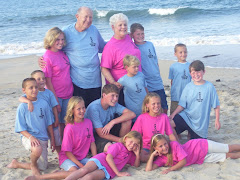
109, 164
57, 71
77, 140
196, 151
152, 121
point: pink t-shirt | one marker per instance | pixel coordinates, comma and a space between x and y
77, 139
114, 52
194, 151
148, 125
58, 69
121, 157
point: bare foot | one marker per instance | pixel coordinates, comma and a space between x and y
35, 170
13, 164
31, 178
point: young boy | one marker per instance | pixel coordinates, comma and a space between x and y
33, 127
179, 75
134, 85
149, 62
49, 97
110, 119
197, 99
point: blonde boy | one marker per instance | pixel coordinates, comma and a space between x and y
179, 75
134, 85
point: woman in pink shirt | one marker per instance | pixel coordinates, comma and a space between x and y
196, 151
57, 71
109, 164
116, 49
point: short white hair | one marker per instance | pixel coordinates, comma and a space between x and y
117, 17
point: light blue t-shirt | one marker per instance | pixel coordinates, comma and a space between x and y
36, 122
150, 66
99, 116
197, 101
82, 49
134, 92
179, 73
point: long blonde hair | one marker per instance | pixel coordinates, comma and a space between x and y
155, 139
73, 101
132, 134
146, 101
51, 37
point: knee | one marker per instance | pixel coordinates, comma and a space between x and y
88, 177
127, 124
37, 150
73, 168
106, 146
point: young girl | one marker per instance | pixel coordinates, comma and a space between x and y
77, 140
152, 121
109, 164
57, 71
196, 151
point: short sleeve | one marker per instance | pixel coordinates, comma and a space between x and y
138, 125
91, 131
20, 124
48, 69
183, 98
160, 161
168, 127
119, 109
178, 152
114, 149
170, 76
107, 57
67, 143
53, 99
94, 115
215, 100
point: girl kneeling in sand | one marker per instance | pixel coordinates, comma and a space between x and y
195, 151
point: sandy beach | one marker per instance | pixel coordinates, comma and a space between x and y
13, 71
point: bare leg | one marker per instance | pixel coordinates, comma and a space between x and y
58, 149
144, 156
234, 147
61, 127
233, 155
15, 164
95, 175
106, 146
125, 128
88, 168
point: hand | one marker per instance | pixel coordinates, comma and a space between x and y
166, 171
41, 63
53, 146
172, 123
106, 129
55, 124
156, 153
30, 106
217, 125
136, 149
120, 174
118, 85
59, 108
34, 141
171, 117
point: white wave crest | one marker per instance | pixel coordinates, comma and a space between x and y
163, 12
102, 13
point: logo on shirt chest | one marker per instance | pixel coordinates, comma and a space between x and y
184, 76
199, 99
126, 155
92, 42
150, 54
155, 131
138, 89
88, 135
41, 115
66, 61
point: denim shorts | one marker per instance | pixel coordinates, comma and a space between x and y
63, 103
101, 167
163, 97
67, 164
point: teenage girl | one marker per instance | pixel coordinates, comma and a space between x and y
109, 164
152, 121
57, 71
195, 151
77, 140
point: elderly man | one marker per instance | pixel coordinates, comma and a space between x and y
83, 43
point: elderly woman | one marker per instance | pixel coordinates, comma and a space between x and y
116, 49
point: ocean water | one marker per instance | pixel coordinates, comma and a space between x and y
208, 27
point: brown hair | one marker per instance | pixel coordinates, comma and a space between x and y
24, 82
147, 99
132, 134
179, 45
136, 26
155, 139
197, 65
73, 101
51, 37
35, 72
110, 88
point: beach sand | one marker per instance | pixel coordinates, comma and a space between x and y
13, 71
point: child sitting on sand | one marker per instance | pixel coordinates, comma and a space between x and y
149, 63
134, 85
196, 151
197, 99
49, 97
34, 128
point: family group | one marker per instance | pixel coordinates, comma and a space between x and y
126, 121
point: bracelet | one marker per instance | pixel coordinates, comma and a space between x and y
29, 137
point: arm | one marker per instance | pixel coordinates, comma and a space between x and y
178, 110
146, 90
113, 166
126, 115
50, 87
93, 148
109, 137
34, 141
171, 82
106, 73
55, 113
25, 100
217, 114
137, 153
179, 165
73, 158
150, 166
172, 137
50, 131
41, 63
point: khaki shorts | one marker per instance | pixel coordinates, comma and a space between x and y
174, 105
42, 161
